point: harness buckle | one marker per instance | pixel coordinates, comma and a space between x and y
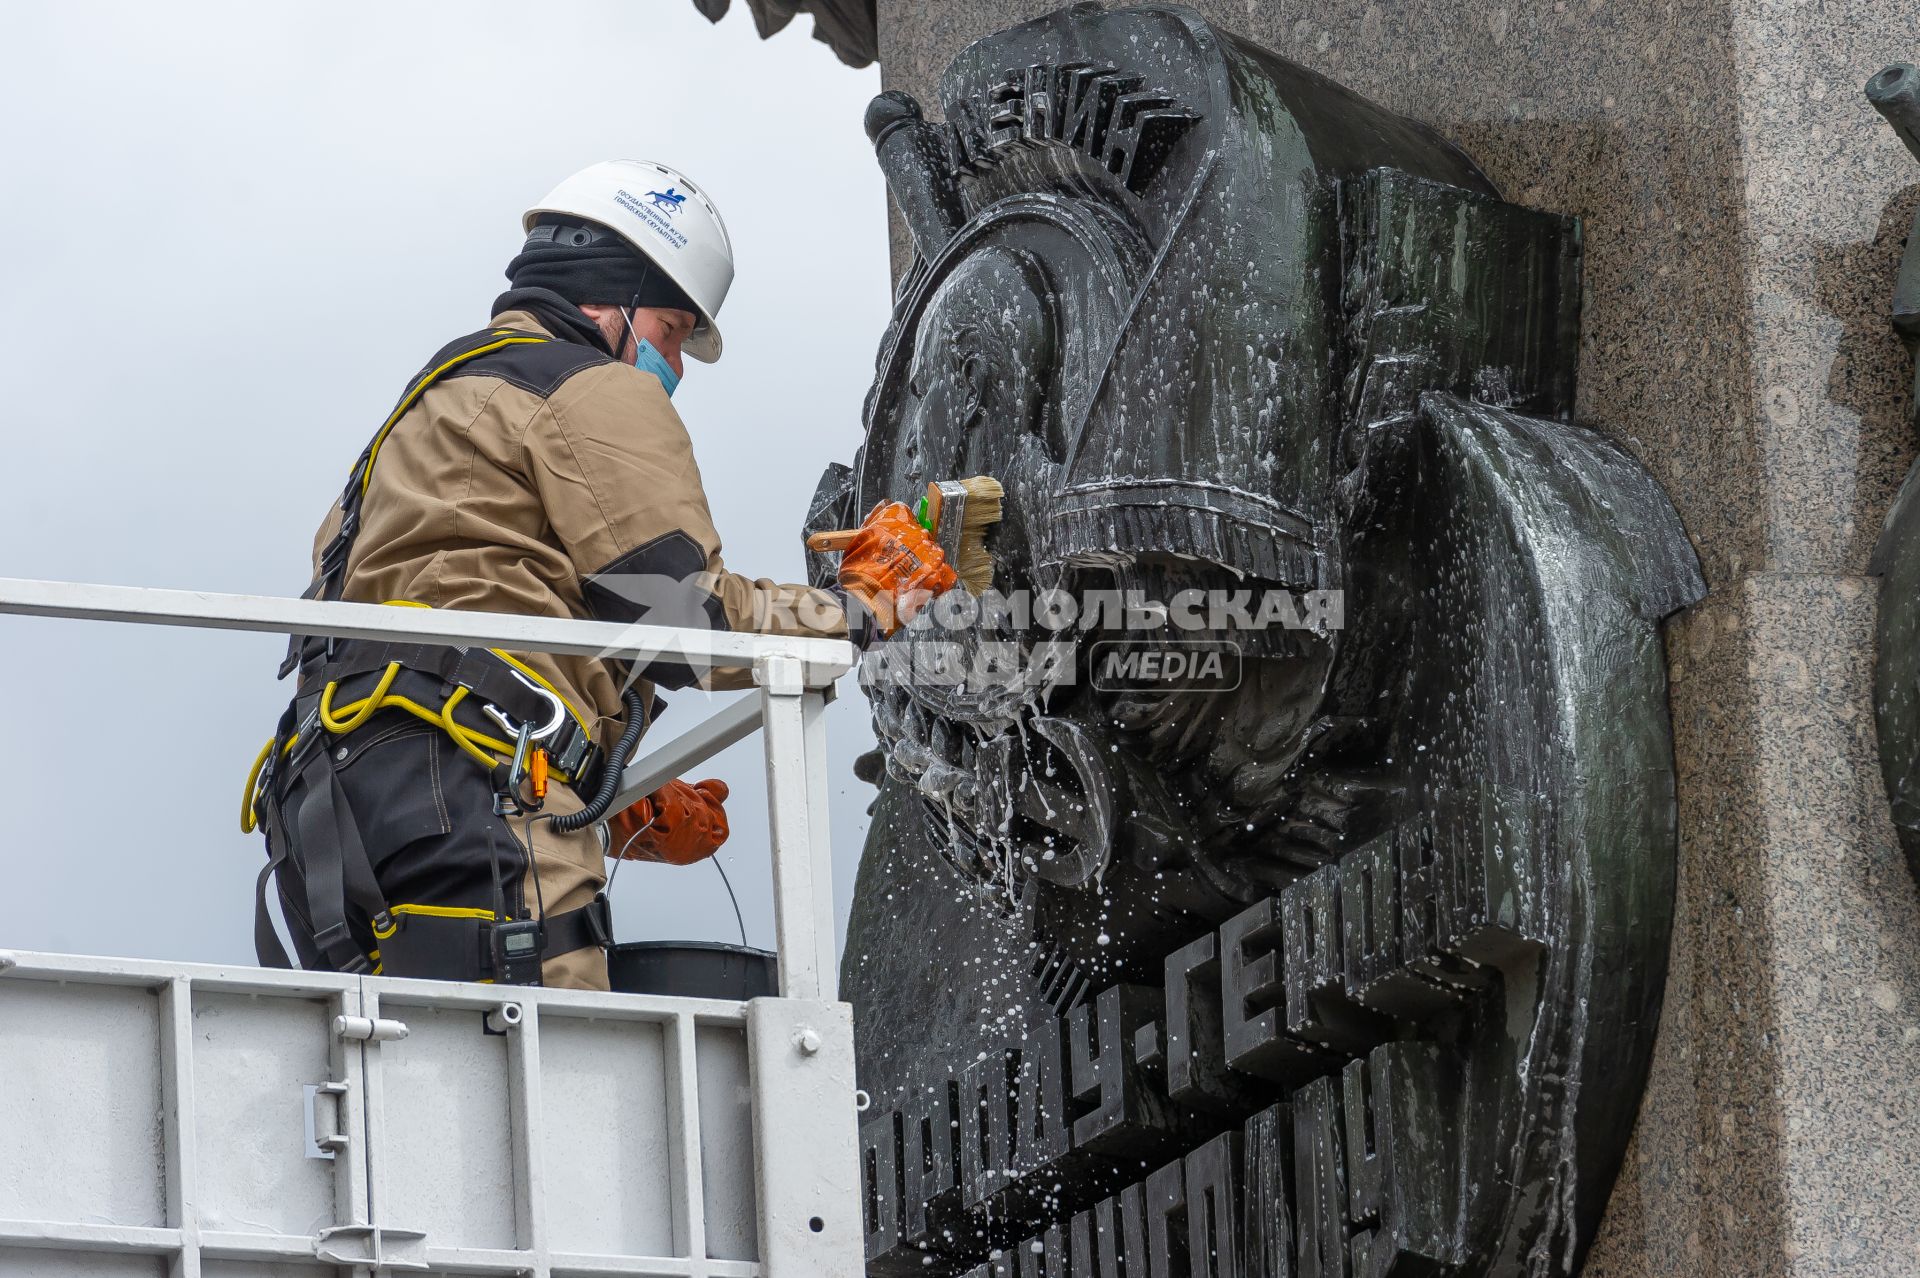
599, 920
340, 949
573, 755
334, 556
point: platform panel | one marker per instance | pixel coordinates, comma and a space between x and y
161, 1121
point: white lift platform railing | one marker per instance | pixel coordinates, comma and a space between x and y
145, 1107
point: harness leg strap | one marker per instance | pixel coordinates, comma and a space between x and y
590, 926
334, 860
266, 942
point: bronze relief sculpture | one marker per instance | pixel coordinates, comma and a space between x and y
1896, 559
1327, 936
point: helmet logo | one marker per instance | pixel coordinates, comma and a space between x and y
647, 211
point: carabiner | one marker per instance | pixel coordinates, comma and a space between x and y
506, 802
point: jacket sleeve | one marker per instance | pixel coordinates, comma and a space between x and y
614, 468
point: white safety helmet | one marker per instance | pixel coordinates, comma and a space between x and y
663, 216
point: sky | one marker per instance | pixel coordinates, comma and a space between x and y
236, 230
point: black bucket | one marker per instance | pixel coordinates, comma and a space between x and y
693, 969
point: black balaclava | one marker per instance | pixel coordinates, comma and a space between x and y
584, 264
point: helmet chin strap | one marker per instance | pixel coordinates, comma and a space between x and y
626, 316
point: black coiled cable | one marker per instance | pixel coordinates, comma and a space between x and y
610, 770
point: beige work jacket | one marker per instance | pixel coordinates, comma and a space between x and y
549, 480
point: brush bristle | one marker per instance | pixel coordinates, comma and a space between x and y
984, 498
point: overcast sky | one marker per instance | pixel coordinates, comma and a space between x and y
235, 230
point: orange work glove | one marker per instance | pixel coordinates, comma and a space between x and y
678, 824
890, 563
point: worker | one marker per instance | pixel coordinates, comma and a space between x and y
431, 811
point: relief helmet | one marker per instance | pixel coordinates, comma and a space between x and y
666, 219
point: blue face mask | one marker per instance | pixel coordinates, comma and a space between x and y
648, 359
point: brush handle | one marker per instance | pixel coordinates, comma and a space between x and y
828, 543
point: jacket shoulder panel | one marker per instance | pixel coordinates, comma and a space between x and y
539, 368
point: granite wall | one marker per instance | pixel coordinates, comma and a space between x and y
1744, 213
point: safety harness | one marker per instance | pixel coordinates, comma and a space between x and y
494, 708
